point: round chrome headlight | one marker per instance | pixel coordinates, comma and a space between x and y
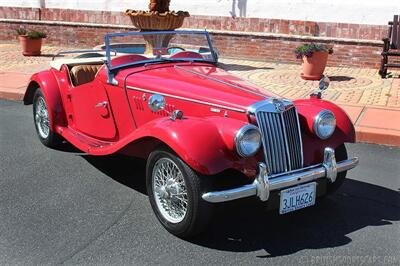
248, 140
324, 124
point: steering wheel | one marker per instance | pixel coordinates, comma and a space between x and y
175, 48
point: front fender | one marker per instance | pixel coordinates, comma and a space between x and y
205, 144
46, 81
313, 145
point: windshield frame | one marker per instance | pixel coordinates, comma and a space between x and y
109, 36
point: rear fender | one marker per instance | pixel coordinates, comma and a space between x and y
47, 82
205, 144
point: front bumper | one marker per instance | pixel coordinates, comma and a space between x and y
263, 183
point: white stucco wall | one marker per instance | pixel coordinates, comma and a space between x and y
376, 12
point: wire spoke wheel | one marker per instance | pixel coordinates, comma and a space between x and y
42, 118
169, 189
175, 191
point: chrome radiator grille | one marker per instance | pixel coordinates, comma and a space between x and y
281, 139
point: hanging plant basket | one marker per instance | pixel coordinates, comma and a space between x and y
150, 20
155, 21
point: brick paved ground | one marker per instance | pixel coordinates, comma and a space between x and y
12, 60
353, 86
372, 103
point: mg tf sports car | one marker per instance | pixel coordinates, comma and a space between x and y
208, 136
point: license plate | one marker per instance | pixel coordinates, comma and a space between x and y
296, 198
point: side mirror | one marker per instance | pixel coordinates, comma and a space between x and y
324, 83
156, 102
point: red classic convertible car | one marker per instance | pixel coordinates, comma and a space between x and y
207, 135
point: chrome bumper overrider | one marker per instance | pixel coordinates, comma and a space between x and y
263, 183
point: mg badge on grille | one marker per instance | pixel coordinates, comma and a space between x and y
279, 105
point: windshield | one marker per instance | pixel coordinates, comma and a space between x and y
125, 49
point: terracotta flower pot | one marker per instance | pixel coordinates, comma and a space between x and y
30, 47
314, 66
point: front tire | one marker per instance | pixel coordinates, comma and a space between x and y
175, 190
43, 121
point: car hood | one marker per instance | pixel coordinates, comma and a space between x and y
199, 82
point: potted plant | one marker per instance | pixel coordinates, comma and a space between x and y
31, 41
158, 18
315, 57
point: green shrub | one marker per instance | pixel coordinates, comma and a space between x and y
36, 35
33, 34
21, 31
309, 48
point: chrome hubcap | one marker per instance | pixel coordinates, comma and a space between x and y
42, 118
169, 190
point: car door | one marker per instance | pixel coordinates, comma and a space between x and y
92, 114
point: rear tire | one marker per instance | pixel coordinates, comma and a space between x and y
174, 191
340, 154
42, 121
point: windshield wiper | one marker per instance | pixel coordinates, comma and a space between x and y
178, 59
169, 60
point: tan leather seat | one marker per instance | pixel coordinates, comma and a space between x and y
83, 74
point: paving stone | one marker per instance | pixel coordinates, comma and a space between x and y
380, 118
353, 112
348, 85
360, 92
13, 80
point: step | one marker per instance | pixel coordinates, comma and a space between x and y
87, 141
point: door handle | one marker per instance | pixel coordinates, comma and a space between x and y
101, 104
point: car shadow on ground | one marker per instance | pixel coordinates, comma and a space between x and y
355, 206
128, 171
246, 226
340, 78
47, 55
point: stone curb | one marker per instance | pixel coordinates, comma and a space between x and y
363, 134
377, 136
13, 96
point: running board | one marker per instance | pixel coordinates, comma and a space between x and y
82, 141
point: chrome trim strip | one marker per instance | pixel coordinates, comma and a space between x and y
330, 164
222, 82
268, 106
297, 178
264, 184
301, 140
230, 194
267, 152
81, 52
289, 162
277, 119
188, 99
